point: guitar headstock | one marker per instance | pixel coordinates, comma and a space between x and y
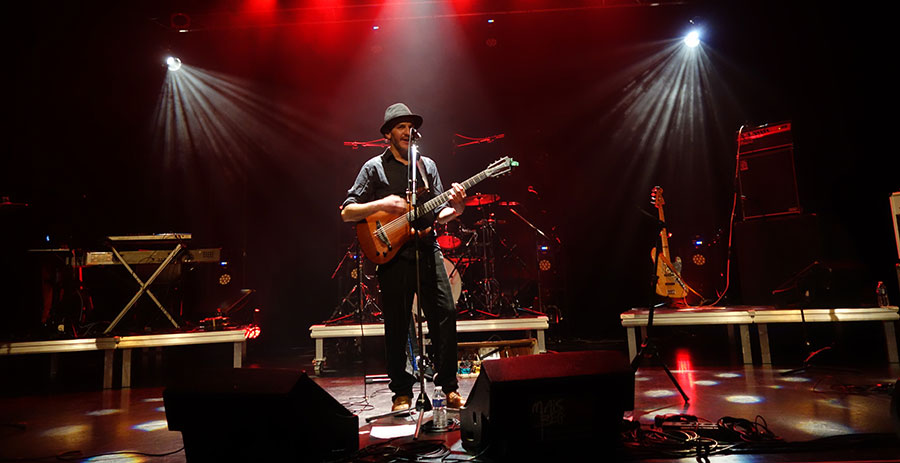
501, 166
656, 197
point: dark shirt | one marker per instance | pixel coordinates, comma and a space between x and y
384, 175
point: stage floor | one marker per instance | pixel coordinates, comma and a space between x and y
802, 407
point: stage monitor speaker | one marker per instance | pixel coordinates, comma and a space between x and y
258, 415
767, 178
551, 404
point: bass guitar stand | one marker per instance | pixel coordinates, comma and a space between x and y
648, 348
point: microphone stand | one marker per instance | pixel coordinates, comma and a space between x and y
539, 310
423, 404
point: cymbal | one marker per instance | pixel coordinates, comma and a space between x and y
481, 199
509, 203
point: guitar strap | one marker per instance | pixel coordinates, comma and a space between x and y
422, 174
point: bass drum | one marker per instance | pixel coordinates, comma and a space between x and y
455, 283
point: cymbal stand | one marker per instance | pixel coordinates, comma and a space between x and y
467, 305
365, 307
488, 284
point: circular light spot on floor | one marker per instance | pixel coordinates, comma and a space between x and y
63, 431
154, 399
836, 403
104, 412
744, 399
824, 428
125, 458
154, 425
641, 378
795, 379
728, 375
656, 393
706, 382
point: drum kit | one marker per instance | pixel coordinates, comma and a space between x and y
472, 255
473, 252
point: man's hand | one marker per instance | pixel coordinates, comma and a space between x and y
456, 201
392, 204
457, 197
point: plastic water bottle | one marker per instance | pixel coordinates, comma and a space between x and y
439, 409
881, 294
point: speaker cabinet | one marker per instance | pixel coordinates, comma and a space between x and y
258, 415
547, 404
768, 180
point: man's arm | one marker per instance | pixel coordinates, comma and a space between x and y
455, 204
354, 212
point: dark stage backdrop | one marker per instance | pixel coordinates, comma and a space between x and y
589, 102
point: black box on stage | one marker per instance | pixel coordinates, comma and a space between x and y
548, 404
258, 415
766, 173
774, 253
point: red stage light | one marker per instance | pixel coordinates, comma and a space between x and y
252, 332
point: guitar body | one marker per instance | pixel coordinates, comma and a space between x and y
667, 282
379, 243
382, 234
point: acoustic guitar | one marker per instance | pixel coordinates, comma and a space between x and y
381, 235
669, 282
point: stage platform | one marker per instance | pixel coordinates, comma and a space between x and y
532, 326
761, 316
109, 345
802, 408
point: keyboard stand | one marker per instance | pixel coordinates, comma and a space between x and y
144, 286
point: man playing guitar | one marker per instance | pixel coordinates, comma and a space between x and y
380, 187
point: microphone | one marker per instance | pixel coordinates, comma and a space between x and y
414, 134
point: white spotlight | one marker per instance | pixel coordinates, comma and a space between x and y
692, 39
173, 63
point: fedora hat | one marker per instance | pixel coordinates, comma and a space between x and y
396, 113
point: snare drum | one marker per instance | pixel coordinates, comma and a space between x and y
448, 238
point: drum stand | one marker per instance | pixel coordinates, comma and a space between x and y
466, 305
365, 309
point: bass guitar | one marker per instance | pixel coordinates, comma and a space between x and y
381, 235
669, 282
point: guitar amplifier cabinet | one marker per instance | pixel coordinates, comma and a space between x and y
767, 178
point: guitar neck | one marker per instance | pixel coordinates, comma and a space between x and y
664, 235
433, 203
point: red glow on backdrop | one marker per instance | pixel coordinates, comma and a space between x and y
260, 5
463, 6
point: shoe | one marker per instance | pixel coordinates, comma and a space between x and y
454, 400
401, 402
